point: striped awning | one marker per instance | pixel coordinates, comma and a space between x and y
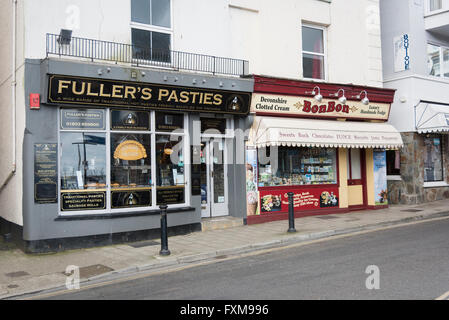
432, 117
276, 131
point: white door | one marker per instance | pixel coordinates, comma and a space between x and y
214, 186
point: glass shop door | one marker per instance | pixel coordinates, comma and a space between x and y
214, 184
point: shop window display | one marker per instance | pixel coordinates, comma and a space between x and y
300, 166
170, 169
83, 161
130, 170
433, 158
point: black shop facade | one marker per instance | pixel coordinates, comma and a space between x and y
107, 151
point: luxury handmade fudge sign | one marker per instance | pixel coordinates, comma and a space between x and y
45, 172
102, 92
308, 107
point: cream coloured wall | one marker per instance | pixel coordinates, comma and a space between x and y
370, 177
11, 192
343, 177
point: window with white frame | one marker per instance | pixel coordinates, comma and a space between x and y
434, 5
114, 160
313, 52
438, 60
151, 29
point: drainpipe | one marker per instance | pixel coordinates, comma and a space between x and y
13, 93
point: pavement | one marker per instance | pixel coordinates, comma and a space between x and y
23, 274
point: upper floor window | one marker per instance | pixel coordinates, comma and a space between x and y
151, 29
438, 60
313, 52
435, 5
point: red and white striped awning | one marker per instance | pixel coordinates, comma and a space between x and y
276, 131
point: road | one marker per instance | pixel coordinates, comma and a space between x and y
413, 263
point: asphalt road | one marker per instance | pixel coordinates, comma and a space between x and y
413, 263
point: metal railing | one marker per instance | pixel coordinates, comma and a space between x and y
143, 56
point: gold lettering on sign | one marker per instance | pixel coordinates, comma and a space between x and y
163, 93
117, 91
89, 92
63, 84
83, 87
218, 99
146, 94
130, 91
102, 94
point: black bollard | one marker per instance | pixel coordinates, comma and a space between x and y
291, 213
164, 239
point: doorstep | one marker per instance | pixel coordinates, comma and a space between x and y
217, 223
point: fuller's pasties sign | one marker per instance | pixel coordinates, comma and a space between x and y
102, 92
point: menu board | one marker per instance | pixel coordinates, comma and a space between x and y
169, 195
45, 173
92, 200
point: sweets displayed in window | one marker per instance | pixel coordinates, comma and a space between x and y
299, 166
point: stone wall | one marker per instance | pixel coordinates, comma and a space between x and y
410, 190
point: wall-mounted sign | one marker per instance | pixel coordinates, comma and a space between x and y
213, 125
130, 120
101, 92
82, 119
276, 199
401, 53
35, 101
130, 150
45, 172
308, 107
92, 200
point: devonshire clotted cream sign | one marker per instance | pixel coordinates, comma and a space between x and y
308, 107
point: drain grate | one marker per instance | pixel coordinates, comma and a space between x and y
17, 274
143, 244
412, 210
93, 270
326, 217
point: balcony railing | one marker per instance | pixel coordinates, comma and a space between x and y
98, 50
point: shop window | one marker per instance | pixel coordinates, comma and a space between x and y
433, 158
300, 166
170, 169
435, 5
438, 60
393, 163
151, 31
130, 170
120, 164
83, 161
313, 53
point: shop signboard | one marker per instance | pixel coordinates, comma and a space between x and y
275, 200
308, 107
82, 119
83, 200
85, 91
380, 177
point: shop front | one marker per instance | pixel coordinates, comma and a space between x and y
420, 173
119, 148
330, 153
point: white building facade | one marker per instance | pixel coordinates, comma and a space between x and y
415, 49
94, 89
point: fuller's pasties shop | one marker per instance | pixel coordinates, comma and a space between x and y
122, 148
